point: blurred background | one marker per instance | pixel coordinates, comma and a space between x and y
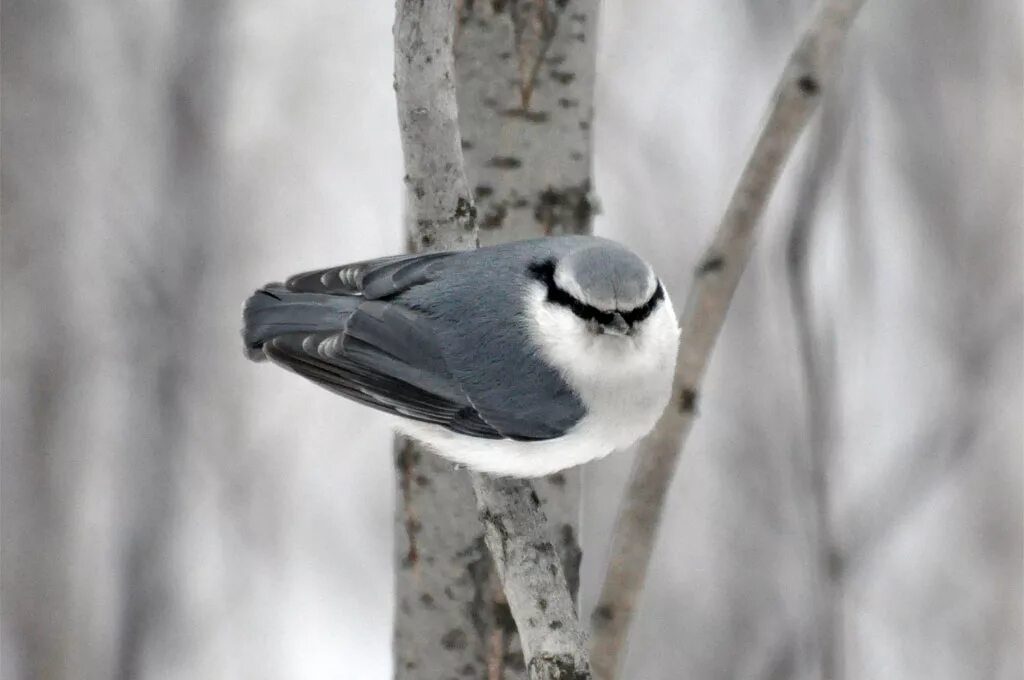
172, 511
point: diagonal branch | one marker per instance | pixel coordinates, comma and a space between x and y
442, 216
808, 72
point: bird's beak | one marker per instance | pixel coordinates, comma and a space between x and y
618, 326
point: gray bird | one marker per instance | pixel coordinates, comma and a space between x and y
519, 359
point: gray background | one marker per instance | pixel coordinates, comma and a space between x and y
171, 511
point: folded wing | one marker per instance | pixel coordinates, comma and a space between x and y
347, 329
385, 357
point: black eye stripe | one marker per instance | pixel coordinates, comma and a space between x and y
637, 315
545, 273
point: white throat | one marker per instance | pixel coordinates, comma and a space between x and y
590, 361
624, 381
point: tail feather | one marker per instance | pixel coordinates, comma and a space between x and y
274, 311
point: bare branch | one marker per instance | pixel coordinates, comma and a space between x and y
808, 72
441, 216
440, 208
554, 644
817, 363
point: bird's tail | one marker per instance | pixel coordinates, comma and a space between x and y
274, 311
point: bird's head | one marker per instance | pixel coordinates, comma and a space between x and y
610, 290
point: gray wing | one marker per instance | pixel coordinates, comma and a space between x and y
419, 337
376, 353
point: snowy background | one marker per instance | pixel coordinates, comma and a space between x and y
172, 511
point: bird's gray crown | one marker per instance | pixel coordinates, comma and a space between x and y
606, 276
602, 283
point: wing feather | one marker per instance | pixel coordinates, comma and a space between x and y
372, 279
386, 358
355, 330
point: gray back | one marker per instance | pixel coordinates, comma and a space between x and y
476, 302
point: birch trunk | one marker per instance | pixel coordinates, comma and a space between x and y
524, 73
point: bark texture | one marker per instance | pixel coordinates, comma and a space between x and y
528, 163
517, 534
526, 92
809, 70
439, 207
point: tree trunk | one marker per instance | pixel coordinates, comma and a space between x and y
524, 74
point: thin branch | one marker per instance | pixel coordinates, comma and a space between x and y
442, 216
440, 204
808, 72
817, 363
554, 644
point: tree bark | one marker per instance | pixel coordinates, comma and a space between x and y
553, 642
525, 90
525, 77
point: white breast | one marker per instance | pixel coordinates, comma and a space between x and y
624, 382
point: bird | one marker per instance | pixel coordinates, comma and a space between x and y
519, 359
